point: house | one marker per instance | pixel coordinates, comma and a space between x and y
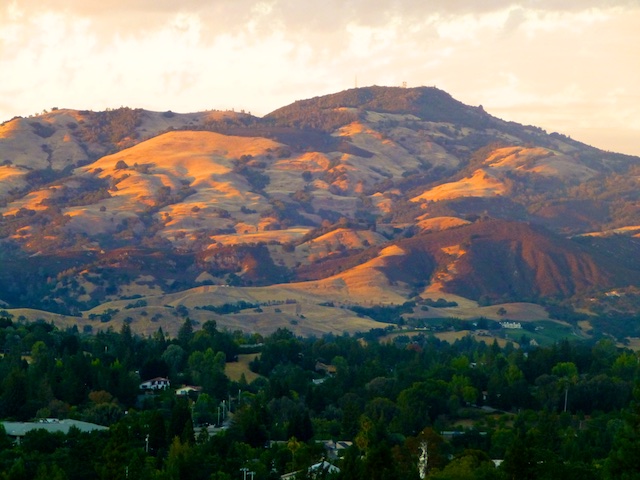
187, 390
336, 449
508, 324
317, 470
17, 430
158, 383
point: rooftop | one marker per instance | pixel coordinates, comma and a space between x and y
20, 429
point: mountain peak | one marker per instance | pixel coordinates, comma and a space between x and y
426, 103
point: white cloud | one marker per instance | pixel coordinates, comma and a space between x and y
557, 64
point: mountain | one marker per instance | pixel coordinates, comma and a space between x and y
371, 196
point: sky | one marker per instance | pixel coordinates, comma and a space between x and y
568, 66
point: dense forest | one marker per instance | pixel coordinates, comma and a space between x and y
413, 408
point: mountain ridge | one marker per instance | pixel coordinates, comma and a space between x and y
404, 192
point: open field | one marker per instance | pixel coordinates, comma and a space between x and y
295, 307
449, 337
301, 312
549, 332
234, 370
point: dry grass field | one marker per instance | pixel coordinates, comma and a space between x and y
449, 337
235, 370
480, 184
299, 307
539, 160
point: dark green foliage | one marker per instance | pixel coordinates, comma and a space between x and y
181, 423
385, 399
185, 334
13, 402
227, 308
385, 314
439, 303
250, 424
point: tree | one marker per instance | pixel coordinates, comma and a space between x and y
568, 373
249, 423
116, 454
182, 462
18, 471
157, 433
471, 465
204, 410
207, 370
52, 472
175, 357
185, 334
420, 404
181, 424
14, 397
623, 462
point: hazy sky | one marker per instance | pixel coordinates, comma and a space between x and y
571, 66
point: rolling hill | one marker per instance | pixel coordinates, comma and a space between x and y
374, 195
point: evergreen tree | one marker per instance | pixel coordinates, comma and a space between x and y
623, 462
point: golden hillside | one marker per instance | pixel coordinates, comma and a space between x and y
368, 196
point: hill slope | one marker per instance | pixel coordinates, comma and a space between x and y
368, 195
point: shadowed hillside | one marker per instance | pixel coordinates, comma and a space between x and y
505, 261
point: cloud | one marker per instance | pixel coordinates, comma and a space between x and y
130, 16
552, 63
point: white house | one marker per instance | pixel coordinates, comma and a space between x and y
508, 324
158, 383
